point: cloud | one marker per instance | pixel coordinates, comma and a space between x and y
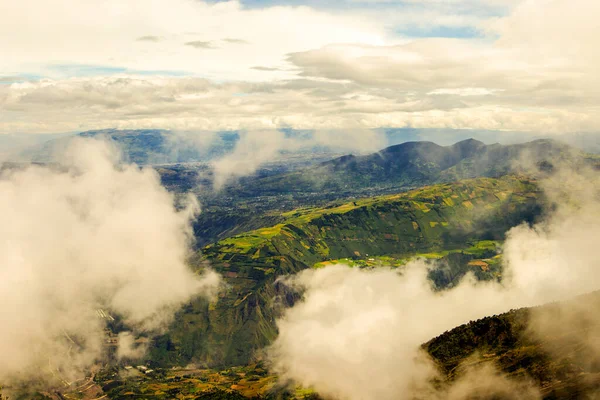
128, 349
347, 335
153, 39
464, 92
531, 66
251, 151
235, 41
130, 102
262, 68
451, 66
486, 382
11, 79
346, 72
86, 242
199, 44
357, 333
270, 33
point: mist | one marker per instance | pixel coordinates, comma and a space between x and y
357, 334
83, 243
250, 152
255, 148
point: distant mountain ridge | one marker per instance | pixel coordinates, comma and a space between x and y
465, 159
161, 146
414, 164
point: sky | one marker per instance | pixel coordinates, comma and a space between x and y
505, 65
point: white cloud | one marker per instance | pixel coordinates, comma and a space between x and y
89, 236
467, 91
197, 104
527, 75
36, 33
253, 150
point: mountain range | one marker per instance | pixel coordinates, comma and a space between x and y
259, 200
414, 164
453, 204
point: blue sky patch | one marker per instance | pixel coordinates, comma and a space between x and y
458, 32
18, 78
474, 8
84, 71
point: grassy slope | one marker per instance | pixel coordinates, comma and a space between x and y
481, 258
436, 218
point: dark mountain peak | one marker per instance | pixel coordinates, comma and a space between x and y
468, 148
410, 146
469, 143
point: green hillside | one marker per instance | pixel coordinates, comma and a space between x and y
435, 217
257, 201
432, 219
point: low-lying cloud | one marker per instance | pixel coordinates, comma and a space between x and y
83, 242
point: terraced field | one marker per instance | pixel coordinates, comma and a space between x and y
441, 218
433, 218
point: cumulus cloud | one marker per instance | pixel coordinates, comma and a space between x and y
357, 333
524, 75
128, 102
505, 73
532, 67
83, 243
270, 33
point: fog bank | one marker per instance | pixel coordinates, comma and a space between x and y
80, 243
